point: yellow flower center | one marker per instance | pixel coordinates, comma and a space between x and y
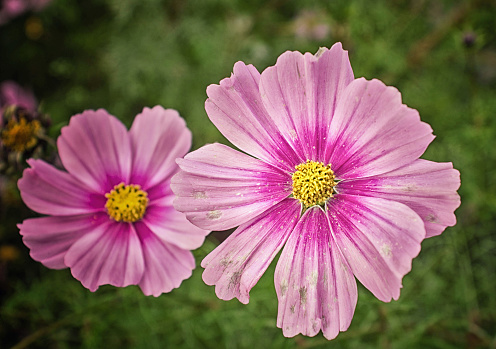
313, 183
21, 135
126, 203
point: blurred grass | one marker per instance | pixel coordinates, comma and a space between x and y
124, 55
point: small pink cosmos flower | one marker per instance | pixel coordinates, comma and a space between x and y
13, 94
334, 180
12, 8
110, 216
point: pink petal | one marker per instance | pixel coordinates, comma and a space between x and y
373, 133
314, 284
14, 7
220, 188
236, 109
300, 94
166, 265
158, 137
95, 148
161, 194
49, 238
172, 226
428, 188
110, 254
239, 262
46, 190
379, 238
13, 94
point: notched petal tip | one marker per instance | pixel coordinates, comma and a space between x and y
320, 51
86, 114
159, 111
337, 48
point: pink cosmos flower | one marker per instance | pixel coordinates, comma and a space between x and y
311, 25
12, 8
13, 94
334, 176
111, 218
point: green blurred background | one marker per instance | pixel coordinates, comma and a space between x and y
124, 55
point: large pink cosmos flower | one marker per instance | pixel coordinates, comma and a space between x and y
111, 218
335, 178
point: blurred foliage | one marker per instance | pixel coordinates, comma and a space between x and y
124, 55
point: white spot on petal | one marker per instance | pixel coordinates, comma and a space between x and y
199, 194
386, 251
292, 134
284, 287
213, 215
313, 278
431, 218
303, 295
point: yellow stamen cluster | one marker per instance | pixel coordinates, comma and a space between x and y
21, 135
126, 203
313, 183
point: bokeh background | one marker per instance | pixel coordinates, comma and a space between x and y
122, 55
